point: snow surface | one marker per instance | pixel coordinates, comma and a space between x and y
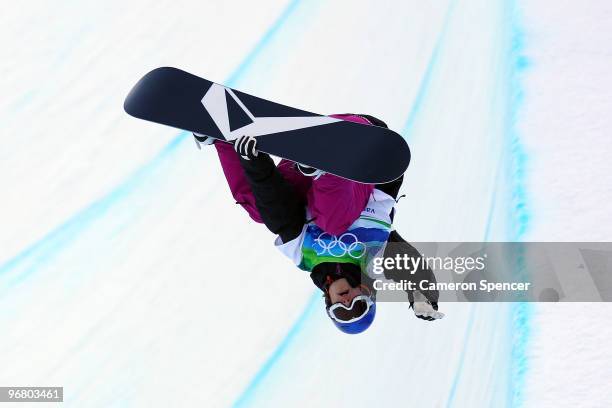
566, 126
128, 277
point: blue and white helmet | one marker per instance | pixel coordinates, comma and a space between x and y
355, 318
360, 325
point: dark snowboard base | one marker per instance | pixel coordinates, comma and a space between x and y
366, 154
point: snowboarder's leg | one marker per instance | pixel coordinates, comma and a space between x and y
335, 203
236, 179
300, 182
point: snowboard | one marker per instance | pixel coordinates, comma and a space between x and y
362, 153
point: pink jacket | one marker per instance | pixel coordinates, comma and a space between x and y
333, 202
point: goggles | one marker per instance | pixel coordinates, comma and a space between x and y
359, 307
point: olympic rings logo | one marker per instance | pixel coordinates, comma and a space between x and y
345, 244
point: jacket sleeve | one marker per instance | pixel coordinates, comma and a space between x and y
396, 245
236, 179
280, 208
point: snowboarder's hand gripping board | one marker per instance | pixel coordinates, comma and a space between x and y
362, 153
246, 147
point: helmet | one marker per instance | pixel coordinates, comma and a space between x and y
347, 319
360, 325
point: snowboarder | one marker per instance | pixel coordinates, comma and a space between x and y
329, 226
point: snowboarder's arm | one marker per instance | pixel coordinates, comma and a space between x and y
280, 208
396, 245
236, 179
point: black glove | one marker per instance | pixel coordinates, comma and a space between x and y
246, 147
